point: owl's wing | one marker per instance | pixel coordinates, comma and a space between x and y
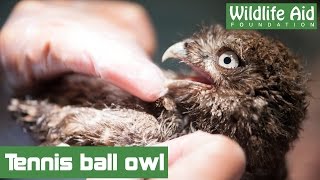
52, 124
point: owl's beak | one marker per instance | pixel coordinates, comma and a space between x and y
176, 51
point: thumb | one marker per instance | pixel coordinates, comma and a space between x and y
119, 61
130, 69
96, 39
213, 160
205, 156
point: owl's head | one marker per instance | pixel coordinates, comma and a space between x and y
248, 86
243, 62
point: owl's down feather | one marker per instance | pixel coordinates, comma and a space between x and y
248, 87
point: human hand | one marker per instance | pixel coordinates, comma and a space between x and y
202, 156
205, 156
112, 40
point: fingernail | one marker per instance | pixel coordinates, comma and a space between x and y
156, 83
146, 80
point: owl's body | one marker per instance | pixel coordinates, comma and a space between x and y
252, 89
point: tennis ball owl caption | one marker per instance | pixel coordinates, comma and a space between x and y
108, 163
84, 162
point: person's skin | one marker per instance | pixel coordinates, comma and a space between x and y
111, 40
205, 156
114, 41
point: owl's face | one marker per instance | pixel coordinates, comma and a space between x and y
234, 61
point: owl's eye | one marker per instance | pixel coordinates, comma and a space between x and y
228, 60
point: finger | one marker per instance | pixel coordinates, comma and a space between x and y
129, 16
117, 60
205, 156
219, 160
183, 145
84, 45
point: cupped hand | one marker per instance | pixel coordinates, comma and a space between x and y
205, 156
202, 156
112, 40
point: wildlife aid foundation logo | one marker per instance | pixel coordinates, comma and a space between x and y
271, 16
